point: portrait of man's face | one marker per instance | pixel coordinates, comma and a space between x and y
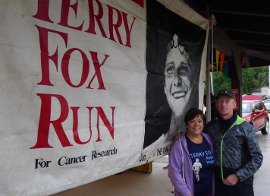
177, 85
173, 62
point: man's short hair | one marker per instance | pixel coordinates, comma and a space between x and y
176, 43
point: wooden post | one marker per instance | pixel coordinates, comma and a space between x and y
236, 76
146, 168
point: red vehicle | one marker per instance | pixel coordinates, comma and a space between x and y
255, 112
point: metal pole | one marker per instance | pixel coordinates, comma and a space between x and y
212, 55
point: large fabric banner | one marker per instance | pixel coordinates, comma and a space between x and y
92, 88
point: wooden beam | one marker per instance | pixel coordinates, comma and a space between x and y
244, 31
223, 42
241, 13
258, 54
145, 168
251, 42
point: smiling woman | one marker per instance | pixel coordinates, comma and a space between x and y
191, 164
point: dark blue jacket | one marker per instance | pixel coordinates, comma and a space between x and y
237, 150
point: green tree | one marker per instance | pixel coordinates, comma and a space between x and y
220, 82
254, 78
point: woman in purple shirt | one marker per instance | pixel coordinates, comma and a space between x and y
191, 161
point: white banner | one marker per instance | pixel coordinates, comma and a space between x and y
82, 87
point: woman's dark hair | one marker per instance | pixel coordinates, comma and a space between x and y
192, 113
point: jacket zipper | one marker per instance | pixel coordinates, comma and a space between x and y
221, 151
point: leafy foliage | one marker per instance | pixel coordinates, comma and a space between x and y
252, 79
220, 82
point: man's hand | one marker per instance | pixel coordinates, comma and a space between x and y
231, 180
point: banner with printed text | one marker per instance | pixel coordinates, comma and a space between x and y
92, 88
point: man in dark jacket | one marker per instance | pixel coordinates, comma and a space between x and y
236, 150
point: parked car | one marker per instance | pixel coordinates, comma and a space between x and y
252, 97
255, 112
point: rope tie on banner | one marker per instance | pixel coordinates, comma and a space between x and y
212, 23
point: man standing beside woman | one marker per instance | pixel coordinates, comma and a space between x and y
236, 149
237, 155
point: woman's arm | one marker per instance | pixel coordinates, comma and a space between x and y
176, 173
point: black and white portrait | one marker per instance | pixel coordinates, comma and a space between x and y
173, 59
